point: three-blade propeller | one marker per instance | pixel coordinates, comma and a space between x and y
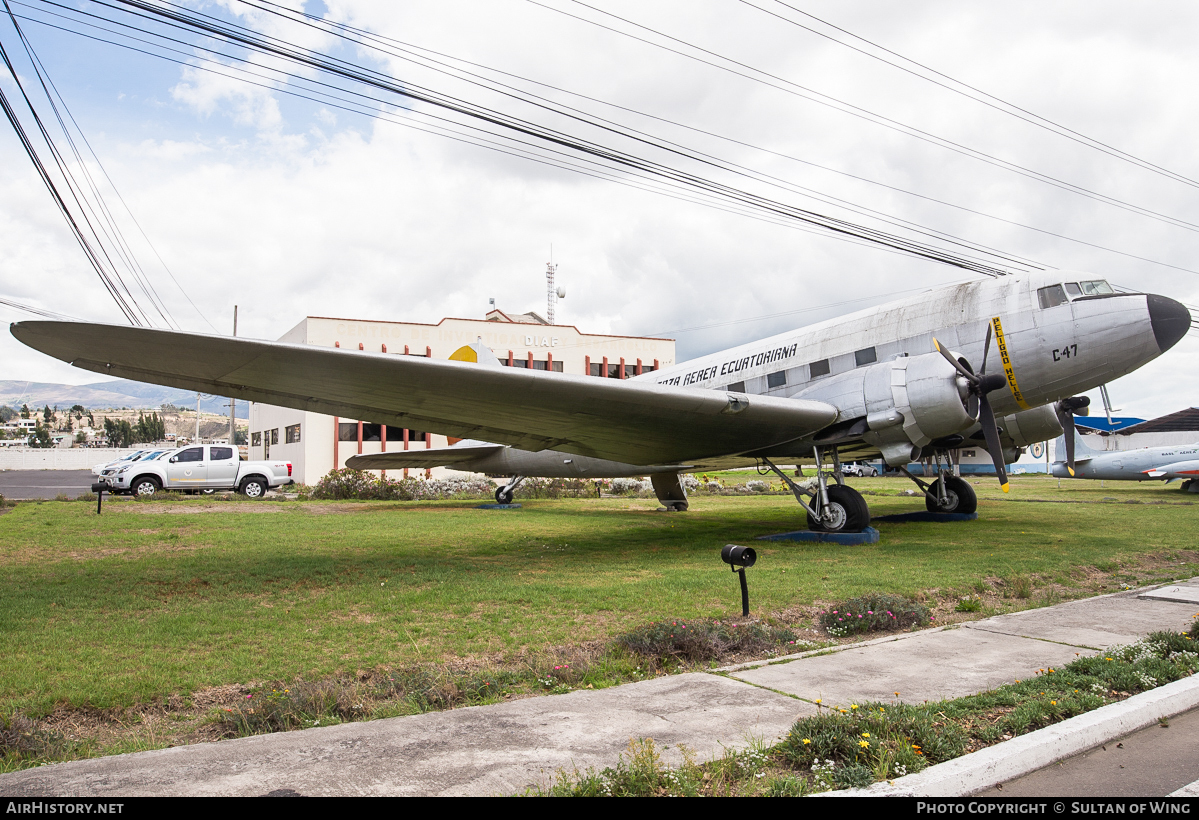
1066, 408
980, 384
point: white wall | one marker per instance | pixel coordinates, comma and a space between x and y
77, 458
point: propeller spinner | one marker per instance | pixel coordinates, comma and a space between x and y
980, 384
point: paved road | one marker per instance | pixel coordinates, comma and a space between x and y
29, 484
1153, 762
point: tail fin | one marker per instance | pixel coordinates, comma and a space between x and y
1081, 451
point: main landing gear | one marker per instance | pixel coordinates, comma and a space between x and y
833, 508
949, 493
503, 495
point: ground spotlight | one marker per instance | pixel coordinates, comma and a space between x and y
740, 559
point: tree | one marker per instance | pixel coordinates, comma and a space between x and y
47, 415
7, 414
24, 411
40, 437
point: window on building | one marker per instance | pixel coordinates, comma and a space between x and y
520, 363
255, 439
538, 364
647, 368
614, 371
557, 367
595, 368
776, 379
395, 433
817, 369
275, 436
865, 356
1051, 296
736, 387
292, 434
347, 431
416, 435
372, 432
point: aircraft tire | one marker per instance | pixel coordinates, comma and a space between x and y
960, 494
851, 513
502, 497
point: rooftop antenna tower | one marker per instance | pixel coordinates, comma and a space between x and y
552, 295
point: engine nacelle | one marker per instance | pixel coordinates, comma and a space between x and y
907, 402
1030, 426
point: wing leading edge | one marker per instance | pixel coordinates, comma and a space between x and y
631, 422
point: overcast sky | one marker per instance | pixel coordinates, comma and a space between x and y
291, 208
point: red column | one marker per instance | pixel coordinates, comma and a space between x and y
405, 436
604, 371
384, 348
509, 358
586, 365
405, 350
359, 438
656, 365
638, 370
383, 434
530, 360
549, 361
360, 347
620, 369
337, 344
428, 352
336, 431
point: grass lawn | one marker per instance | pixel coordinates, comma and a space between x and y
156, 601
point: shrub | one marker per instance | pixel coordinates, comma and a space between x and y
969, 605
702, 640
340, 485
876, 612
556, 488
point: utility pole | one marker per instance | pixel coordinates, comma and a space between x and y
233, 402
197, 441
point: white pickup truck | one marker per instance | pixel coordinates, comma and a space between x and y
205, 467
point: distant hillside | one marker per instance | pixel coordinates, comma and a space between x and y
117, 393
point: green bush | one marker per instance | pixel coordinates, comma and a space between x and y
876, 612
703, 640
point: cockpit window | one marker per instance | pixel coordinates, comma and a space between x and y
1073, 290
1096, 287
1051, 296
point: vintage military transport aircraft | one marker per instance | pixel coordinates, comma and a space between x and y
997, 360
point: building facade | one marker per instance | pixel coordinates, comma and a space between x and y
316, 443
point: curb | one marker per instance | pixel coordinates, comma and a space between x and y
1023, 755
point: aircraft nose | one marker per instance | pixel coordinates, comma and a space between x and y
1170, 320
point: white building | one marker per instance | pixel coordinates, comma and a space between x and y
316, 443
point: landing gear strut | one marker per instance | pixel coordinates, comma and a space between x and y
503, 495
949, 493
836, 508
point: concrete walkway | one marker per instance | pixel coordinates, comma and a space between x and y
505, 748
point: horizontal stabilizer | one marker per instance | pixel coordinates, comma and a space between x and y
423, 459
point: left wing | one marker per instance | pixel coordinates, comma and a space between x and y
633, 422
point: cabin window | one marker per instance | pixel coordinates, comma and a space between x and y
292, 434
1051, 296
192, 454
1073, 290
776, 379
819, 368
865, 356
736, 387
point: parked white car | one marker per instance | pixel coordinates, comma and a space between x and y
200, 468
137, 455
860, 469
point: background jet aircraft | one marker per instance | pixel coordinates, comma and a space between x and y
1147, 464
879, 381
